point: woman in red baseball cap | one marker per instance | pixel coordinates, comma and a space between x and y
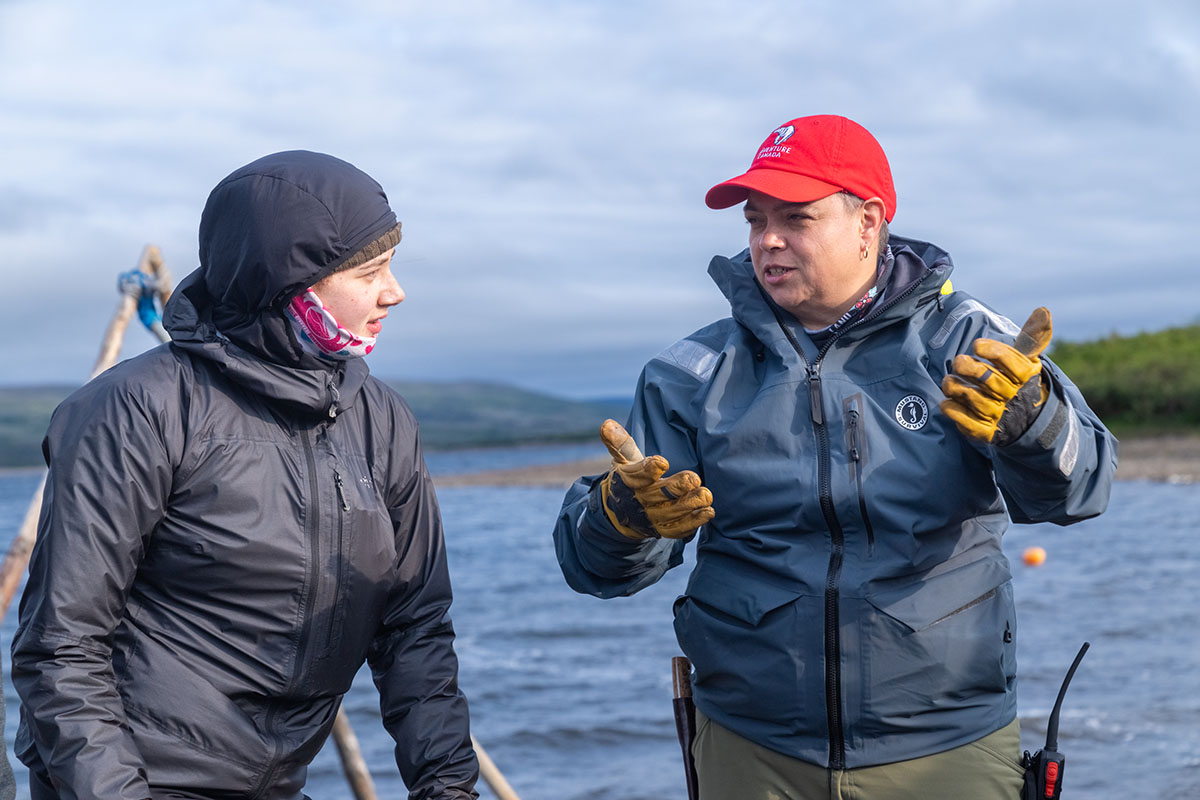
846, 449
818, 198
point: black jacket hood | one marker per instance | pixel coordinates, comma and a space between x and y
270, 230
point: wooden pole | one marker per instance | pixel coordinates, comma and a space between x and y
353, 764
17, 558
152, 264
158, 268
491, 774
163, 287
110, 345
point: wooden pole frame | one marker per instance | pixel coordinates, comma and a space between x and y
17, 558
491, 773
153, 265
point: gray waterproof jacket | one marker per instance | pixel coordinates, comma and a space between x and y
226, 538
850, 604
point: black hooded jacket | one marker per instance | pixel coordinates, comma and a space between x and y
231, 526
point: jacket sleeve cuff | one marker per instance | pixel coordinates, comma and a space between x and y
1054, 434
596, 524
598, 560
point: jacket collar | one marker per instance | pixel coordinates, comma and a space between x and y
310, 384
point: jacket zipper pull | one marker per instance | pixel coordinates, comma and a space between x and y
334, 396
337, 477
854, 456
814, 394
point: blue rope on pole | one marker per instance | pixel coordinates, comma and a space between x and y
144, 288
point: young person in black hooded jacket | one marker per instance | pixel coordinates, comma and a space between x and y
234, 521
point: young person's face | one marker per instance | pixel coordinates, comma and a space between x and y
359, 297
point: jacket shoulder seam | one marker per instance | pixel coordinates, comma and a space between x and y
965, 308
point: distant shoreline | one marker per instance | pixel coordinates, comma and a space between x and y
1173, 458
1162, 459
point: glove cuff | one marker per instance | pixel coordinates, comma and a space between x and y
623, 510
1022, 411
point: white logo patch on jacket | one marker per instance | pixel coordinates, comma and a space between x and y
912, 412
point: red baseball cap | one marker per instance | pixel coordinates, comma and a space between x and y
810, 158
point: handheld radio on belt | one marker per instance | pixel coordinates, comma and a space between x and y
1044, 769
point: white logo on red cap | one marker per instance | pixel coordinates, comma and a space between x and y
784, 133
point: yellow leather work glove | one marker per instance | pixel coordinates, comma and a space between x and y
994, 396
639, 501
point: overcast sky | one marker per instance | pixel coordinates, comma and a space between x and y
549, 159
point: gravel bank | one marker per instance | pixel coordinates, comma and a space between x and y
1170, 459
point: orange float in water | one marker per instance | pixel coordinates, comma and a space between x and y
1034, 556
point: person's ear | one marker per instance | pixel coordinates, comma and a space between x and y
873, 215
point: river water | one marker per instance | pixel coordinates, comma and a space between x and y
571, 695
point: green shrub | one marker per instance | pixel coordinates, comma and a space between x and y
1147, 381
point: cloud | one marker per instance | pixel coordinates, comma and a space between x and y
549, 160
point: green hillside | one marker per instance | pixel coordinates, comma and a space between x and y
451, 415
474, 413
24, 415
1148, 383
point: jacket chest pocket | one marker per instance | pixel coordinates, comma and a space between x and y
362, 549
856, 451
364, 513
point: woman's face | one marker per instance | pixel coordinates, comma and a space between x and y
359, 297
809, 256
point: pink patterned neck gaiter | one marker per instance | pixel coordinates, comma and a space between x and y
318, 328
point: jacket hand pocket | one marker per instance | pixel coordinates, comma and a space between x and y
178, 717
939, 640
740, 635
921, 601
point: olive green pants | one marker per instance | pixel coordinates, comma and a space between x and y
732, 768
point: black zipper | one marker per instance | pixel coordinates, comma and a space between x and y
269, 774
312, 530
833, 670
856, 457
837, 546
337, 478
833, 676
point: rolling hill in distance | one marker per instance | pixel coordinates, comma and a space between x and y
451, 415
1142, 385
